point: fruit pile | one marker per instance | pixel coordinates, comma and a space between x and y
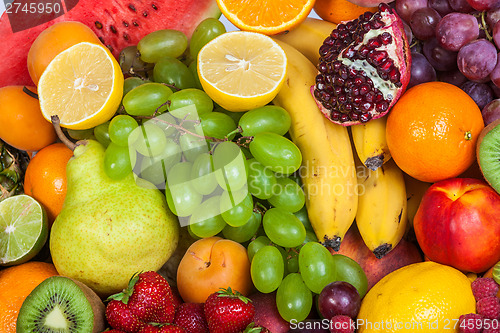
160, 174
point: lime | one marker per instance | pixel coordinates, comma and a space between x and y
23, 229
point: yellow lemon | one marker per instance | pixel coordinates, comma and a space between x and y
242, 70
82, 85
419, 298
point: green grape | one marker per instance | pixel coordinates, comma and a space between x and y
146, 99
245, 232
304, 218
182, 198
348, 270
120, 128
117, 164
288, 195
261, 180
284, 255
230, 166
101, 133
276, 152
193, 236
148, 139
217, 124
256, 245
236, 116
316, 266
190, 104
292, 263
202, 175
192, 146
131, 62
267, 269
194, 71
166, 122
155, 169
236, 207
207, 30
161, 43
283, 228
293, 298
172, 71
131, 83
310, 237
268, 118
81, 134
206, 220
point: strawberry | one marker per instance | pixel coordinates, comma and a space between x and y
228, 312
191, 317
147, 299
114, 331
167, 328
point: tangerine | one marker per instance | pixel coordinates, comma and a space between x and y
22, 124
432, 131
45, 178
16, 283
337, 11
54, 40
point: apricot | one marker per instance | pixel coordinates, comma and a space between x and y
210, 264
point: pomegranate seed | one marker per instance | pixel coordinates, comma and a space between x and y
386, 38
373, 43
376, 24
364, 89
354, 116
348, 107
365, 117
386, 66
335, 115
381, 106
344, 118
337, 90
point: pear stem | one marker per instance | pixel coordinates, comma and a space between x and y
57, 126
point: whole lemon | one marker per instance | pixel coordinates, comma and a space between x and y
418, 298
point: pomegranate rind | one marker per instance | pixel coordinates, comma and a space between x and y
395, 26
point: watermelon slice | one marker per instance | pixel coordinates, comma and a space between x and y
118, 23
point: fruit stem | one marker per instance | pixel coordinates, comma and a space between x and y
484, 26
238, 130
468, 135
57, 126
29, 92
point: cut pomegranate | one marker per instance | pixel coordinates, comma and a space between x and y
364, 68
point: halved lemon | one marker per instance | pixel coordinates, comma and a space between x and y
242, 70
269, 17
82, 85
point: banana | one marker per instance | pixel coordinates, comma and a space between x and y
415, 190
382, 208
328, 171
370, 142
308, 37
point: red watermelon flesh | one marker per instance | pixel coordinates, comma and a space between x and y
118, 23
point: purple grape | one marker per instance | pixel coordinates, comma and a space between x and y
405, 8
442, 6
461, 6
339, 298
421, 70
496, 90
491, 112
477, 59
493, 16
423, 23
440, 58
482, 5
482, 32
455, 30
408, 32
454, 77
481, 93
495, 73
496, 34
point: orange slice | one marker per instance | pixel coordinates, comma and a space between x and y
266, 16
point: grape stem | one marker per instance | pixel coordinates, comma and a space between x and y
238, 130
57, 127
484, 26
244, 141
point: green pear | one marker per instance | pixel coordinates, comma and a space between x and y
109, 229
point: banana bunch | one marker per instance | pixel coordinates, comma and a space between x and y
328, 171
370, 142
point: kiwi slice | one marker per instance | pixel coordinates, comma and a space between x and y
488, 154
61, 305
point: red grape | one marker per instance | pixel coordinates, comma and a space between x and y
454, 77
440, 58
455, 30
339, 298
483, 4
496, 34
491, 112
461, 6
492, 17
495, 74
423, 22
442, 6
481, 93
477, 59
405, 8
421, 70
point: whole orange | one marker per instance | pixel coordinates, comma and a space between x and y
45, 178
16, 283
210, 264
52, 41
337, 11
432, 131
21, 122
